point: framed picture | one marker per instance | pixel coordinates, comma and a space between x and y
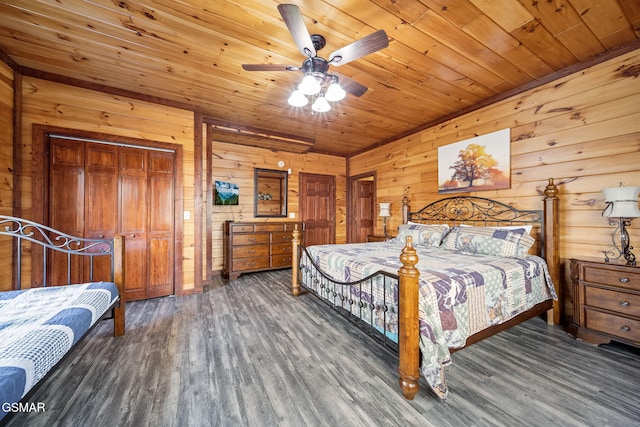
226, 193
476, 164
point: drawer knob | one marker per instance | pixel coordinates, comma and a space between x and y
624, 303
624, 280
625, 328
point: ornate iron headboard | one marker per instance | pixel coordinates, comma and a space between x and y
48, 238
478, 211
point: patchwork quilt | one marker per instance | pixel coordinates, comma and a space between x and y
39, 326
460, 292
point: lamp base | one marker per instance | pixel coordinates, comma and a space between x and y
624, 250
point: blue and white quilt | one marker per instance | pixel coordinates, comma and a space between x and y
39, 326
460, 293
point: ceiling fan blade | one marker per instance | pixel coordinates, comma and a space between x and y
295, 23
351, 86
269, 67
359, 48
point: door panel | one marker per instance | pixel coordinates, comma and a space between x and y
363, 208
317, 208
66, 194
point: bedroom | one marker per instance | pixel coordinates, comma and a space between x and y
581, 128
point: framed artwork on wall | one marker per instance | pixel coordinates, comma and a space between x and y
226, 193
476, 164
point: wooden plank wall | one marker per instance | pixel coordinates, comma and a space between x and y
235, 163
583, 130
6, 167
55, 104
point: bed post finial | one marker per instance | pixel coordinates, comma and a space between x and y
295, 259
408, 325
552, 247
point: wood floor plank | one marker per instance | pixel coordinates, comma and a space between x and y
247, 353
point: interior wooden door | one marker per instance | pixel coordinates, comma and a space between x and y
317, 208
133, 219
362, 218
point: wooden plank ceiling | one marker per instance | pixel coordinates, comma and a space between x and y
444, 57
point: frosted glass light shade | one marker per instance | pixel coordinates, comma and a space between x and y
297, 99
622, 202
321, 105
385, 209
335, 93
310, 85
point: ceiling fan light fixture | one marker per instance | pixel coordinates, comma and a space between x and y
310, 85
321, 105
297, 99
335, 92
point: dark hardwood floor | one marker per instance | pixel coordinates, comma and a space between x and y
248, 353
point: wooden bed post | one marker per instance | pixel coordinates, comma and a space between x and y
551, 247
295, 260
408, 324
118, 278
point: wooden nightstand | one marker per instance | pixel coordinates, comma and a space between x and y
606, 302
375, 238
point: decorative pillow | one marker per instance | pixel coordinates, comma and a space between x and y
489, 241
422, 234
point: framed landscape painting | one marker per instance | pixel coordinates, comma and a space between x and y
476, 164
226, 193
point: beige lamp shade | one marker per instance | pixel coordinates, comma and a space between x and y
622, 202
385, 209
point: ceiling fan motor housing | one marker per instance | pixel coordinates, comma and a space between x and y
316, 66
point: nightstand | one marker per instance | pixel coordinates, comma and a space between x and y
375, 238
606, 302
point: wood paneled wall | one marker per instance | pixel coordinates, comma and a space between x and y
55, 104
235, 163
6, 167
583, 130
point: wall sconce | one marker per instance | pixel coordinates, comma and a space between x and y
385, 212
622, 204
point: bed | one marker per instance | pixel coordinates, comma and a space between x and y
461, 269
73, 283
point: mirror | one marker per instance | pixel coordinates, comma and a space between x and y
270, 198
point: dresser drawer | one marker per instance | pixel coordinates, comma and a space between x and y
607, 299
618, 326
250, 239
282, 237
250, 251
241, 228
269, 227
244, 264
281, 249
281, 261
612, 276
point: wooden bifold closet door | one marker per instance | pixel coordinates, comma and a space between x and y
101, 190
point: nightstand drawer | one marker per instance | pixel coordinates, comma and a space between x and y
620, 302
612, 276
618, 326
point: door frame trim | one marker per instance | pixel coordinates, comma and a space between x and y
39, 194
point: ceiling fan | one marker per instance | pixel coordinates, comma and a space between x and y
318, 83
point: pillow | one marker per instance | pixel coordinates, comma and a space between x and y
527, 227
489, 241
427, 235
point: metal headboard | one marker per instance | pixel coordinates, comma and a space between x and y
49, 238
478, 211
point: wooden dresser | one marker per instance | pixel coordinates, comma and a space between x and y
256, 246
606, 303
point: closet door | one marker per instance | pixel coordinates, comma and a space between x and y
66, 209
133, 219
161, 230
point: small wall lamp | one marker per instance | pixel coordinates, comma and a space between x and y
385, 212
622, 205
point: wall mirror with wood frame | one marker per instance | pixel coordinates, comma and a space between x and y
270, 198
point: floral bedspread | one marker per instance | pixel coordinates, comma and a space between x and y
460, 293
